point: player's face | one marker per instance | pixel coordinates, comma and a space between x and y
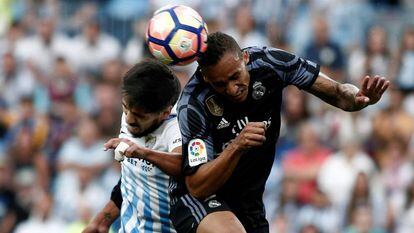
229, 77
139, 122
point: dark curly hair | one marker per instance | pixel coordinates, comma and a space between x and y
150, 85
218, 44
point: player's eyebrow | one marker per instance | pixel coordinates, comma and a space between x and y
234, 75
130, 110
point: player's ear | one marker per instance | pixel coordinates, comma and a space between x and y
166, 113
246, 57
205, 79
204, 76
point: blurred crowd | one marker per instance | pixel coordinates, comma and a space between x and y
61, 64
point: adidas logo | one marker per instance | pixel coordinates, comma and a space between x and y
223, 124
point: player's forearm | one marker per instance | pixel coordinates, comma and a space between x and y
336, 94
347, 102
212, 175
107, 215
168, 162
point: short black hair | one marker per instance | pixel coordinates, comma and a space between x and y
218, 44
151, 86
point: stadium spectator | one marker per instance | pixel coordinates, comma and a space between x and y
405, 61
392, 122
136, 48
46, 42
107, 111
319, 212
396, 172
11, 212
362, 221
62, 124
303, 162
295, 111
369, 195
324, 51
93, 48
373, 58
25, 142
244, 30
42, 219
13, 34
15, 80
405, 222
288, 207
338, 172
81, 162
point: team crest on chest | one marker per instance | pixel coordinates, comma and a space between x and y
258, 90
150, 141
213, 106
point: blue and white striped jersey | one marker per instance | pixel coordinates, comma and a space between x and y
144, 187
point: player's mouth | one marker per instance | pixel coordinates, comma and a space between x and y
240, 97
134, 129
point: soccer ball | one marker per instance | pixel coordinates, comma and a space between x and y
176, 35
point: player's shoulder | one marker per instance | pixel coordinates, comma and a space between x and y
269, 58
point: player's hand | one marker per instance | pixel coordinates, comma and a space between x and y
98, 225
94, 228
133, 151
371, 90
252, 135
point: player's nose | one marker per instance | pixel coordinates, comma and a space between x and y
130, 120
232, 89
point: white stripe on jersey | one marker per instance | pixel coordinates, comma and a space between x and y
144, 187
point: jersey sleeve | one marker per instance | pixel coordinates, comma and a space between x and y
292, 69
196, 137
173, 135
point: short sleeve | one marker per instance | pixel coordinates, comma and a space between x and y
196, 137
292, 69
173, 135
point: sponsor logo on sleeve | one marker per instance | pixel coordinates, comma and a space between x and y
197, 152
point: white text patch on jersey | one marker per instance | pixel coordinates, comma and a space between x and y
197, 152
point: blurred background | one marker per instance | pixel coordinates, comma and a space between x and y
61, 63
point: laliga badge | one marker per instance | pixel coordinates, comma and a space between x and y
258, 90
213, 106
197, 152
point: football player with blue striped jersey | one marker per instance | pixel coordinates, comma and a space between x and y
152, 154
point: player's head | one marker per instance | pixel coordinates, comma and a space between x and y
149, 91
223, 66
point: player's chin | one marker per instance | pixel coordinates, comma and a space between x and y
239, 98
134, 130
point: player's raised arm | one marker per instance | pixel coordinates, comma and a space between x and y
347, 96
168, 162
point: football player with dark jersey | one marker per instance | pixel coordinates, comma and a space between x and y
229, 117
